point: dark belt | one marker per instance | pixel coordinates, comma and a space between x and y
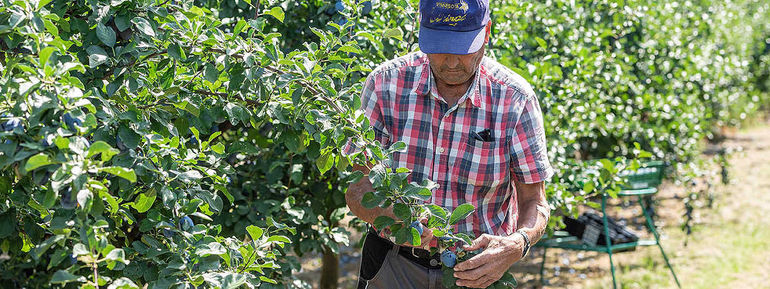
419, 256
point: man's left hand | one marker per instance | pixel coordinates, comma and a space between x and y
489, 266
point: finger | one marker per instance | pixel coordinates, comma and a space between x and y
473, 263
489, 282
427, 232
472, 274
427, 236
480, 242
478, 283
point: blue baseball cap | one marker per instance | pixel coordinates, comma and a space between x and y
453, 26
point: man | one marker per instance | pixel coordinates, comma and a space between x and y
475, 128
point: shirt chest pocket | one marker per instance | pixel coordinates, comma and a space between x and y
484, 165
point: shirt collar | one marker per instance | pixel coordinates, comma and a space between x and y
427, 86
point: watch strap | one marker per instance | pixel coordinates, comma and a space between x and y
526, 243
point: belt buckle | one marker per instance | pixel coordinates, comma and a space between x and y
433, 262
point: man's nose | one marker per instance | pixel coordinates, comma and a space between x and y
452, 61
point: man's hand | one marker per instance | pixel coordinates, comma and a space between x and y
489, 266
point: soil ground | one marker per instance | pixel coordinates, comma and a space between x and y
729, 246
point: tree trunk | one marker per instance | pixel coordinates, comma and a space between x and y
330, 269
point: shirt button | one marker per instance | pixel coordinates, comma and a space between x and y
441, 150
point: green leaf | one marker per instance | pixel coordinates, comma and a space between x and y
279, 239
268, 280
144, 201
325, 162
416, 192
211, 73
403, 234
123, 283
588, 187
239, 27
237, 113
117, 255
189, 107
212, 248
114, 206
61, 142
41, 248
43, 3
51, 28
607, 164
143, 26
105, 34
63, 277
382, 222
80, 249
218, 148
541, 42
371, 200
460, 213
254, 232
50, 199
416, 240
276, 12
122, 172
402, 211
644, 154
398, 146
122, 22
37, 161
175, 51
437, 211
377, 175
101, 147
129, 137
234, 281
394, 33
44, 54
96, 56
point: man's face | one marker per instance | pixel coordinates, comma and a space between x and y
455, 69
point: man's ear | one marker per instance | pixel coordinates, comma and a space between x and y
489, 30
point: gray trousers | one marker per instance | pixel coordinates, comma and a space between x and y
398, 272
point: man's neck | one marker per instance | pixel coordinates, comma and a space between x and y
453, 93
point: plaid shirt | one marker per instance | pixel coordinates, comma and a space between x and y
402, 103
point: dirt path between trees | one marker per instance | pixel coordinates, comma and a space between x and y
729, 246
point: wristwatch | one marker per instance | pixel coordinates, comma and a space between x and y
526, 243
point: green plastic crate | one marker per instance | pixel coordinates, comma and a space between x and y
649, 175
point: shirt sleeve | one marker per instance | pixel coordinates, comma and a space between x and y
529, 156
371, 107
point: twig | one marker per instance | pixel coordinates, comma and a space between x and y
206, 92
96, 275
133, 62
198, 73
256, 7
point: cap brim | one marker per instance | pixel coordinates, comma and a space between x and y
451, 42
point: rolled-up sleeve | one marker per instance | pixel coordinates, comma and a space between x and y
372, 109
529, 156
